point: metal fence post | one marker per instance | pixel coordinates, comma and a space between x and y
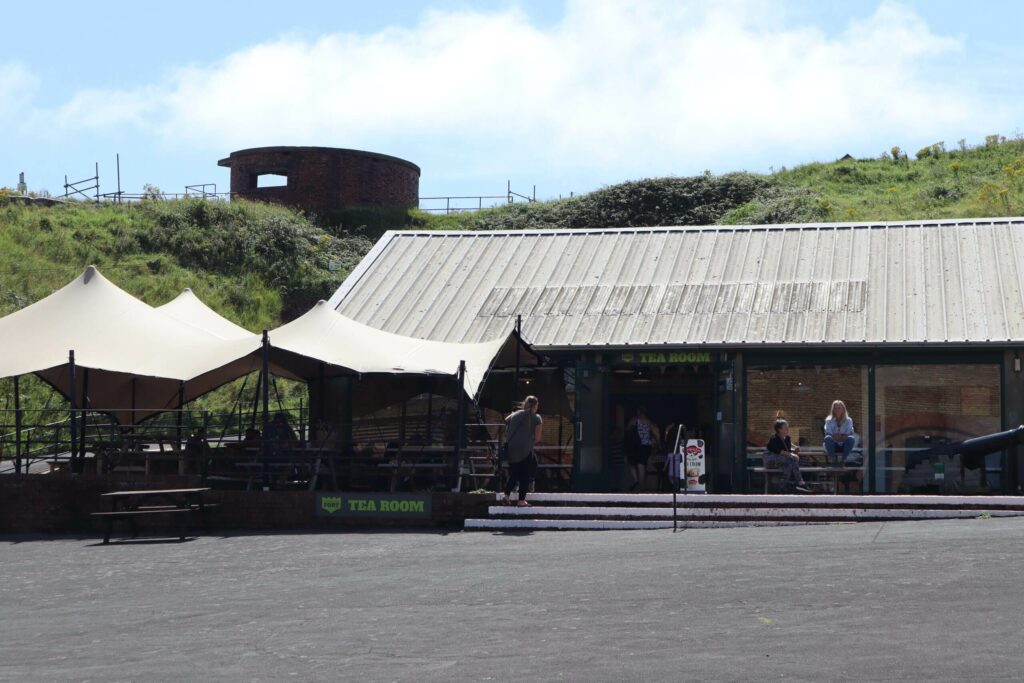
460, 432
71, 393
17, 426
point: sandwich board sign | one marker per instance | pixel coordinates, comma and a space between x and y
696, 466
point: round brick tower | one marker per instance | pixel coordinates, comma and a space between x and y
325, 178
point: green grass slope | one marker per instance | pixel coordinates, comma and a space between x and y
987, 180
256, 264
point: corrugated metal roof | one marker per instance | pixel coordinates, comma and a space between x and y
945, 282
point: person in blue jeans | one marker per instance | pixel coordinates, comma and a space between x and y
839, 439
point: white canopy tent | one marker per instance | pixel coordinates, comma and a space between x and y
130, 354
190, 309
133, 360
322, 335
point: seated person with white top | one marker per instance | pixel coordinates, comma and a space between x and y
839, 433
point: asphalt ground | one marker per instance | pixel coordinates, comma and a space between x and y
937, 600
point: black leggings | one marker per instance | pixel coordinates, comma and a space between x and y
522, 473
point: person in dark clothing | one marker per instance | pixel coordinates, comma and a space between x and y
784, 455
641, 438
523, 430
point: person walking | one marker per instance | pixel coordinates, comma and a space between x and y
839, 433
641, 437
523, 430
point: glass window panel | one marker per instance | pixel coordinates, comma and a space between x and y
922, 408
803, 396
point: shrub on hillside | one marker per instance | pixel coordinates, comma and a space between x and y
695, 200
239, 238
781, 205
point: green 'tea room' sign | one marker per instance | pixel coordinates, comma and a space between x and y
664, 357
385, 505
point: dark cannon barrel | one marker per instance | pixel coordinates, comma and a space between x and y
990, 443
974, 450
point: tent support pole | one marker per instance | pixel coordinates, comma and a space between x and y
17, 425
85, 418
460, 431
515, 382
135, 382
265, 371
320, 391
72, 424
181, 408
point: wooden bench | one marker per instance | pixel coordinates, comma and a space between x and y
129, 506
807, 455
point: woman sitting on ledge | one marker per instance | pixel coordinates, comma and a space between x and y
839, 433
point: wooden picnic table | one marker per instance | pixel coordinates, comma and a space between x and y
410, 459
130, 505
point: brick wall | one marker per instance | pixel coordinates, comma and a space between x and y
963, 398
323, 178
805, 396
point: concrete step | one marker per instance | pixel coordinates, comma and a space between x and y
742, 513
979, 503
609, 524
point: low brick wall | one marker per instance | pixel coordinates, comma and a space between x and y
61, 504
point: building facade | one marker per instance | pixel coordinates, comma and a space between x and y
917, 326
324, 178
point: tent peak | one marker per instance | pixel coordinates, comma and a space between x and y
187, 290
320, 303
89, 273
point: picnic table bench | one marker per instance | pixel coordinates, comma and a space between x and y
810, 457
129, 506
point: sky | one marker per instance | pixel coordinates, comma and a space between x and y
567, 97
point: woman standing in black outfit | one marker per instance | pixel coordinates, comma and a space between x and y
523, 432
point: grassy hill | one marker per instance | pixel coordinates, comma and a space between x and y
260, 265
255, 264
987, 180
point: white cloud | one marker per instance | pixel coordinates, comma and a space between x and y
17, 87
624, 86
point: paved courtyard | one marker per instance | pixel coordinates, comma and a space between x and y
896, 601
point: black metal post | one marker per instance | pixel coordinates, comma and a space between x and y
870, 462
265, 376
460, 431
135, 382
515, 381
85, 420
430, 410
320, 385
17, 426
181, 409
681, 470
72, 426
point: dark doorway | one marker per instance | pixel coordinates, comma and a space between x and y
671, 395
